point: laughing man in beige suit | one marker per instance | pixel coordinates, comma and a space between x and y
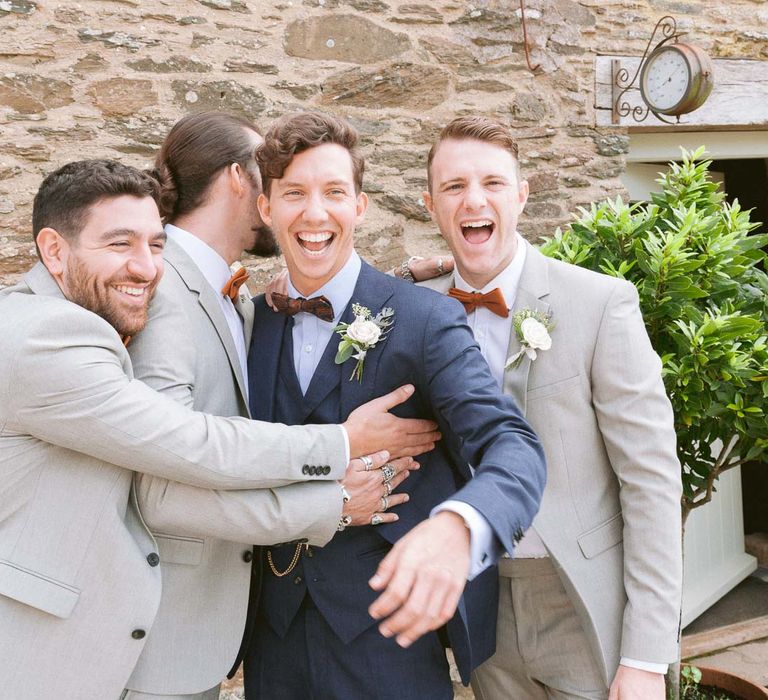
590, 605
80, 583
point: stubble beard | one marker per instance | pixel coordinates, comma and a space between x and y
93, 294
264, 243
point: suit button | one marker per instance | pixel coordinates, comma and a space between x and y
312, 469
247, 556
326, 469
298, 580
305, 469
153, 559
138, 634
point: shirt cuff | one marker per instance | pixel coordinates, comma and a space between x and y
346, 444
644, 665
481, 537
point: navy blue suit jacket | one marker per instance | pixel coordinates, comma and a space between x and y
430, 346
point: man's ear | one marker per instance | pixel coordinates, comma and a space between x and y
54, 249
237, 179
265, 211
522, 194
362, 207
426, 197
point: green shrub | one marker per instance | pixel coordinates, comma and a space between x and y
704, 298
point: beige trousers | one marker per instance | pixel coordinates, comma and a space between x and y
212, 694
542, 652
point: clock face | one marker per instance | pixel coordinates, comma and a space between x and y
665, 79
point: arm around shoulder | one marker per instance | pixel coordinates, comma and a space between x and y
75, 391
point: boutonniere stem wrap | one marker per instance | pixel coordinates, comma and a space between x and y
532, 329
358, 337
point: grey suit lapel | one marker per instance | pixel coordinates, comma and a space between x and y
208, 299
531, 293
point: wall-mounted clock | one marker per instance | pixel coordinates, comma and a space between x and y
676, 79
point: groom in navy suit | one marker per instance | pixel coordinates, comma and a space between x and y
314, 635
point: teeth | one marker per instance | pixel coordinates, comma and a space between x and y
477, 224
315, 237
133, 291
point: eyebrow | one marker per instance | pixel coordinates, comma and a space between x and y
130, 233
288, 185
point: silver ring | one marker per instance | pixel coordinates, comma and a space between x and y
387, 488
367, 461
440, 267
388, 471
376, 519
384, 503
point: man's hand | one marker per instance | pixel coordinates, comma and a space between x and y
429, 268
277, 283
366, 488
634, 684
371, 428
423, 577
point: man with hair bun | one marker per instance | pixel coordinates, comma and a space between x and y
193, 349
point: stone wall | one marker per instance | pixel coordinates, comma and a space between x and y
108, 78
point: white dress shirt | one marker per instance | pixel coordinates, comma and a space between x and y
216, 272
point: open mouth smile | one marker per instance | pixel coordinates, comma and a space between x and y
477, 232
135, 294
314, 243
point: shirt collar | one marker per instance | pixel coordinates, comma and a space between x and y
339, 289
211, 264
507, 280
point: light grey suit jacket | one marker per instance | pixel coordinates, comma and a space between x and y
610, 517
186, 351
79, 587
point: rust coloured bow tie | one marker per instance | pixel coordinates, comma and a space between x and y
493, 300
317, 306
237, 280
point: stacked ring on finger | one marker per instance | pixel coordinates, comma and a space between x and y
367, 462
389, 472
387, 488
384, 503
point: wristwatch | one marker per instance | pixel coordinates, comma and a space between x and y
405, 267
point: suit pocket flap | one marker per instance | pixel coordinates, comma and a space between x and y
175, 549
602, 537
37, 590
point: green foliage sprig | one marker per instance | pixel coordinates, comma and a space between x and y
704, 298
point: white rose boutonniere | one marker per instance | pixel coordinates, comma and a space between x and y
532, 329
358, 337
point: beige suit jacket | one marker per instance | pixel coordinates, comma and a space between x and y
186, 352
610, 517
79, 581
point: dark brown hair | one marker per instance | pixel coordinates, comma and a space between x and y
295, 133
195, 150
475, 127
66, 195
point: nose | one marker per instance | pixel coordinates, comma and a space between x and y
474, 197
315, 211
145, 263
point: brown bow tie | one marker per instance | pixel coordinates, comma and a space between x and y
237, 280
493, 300
317, 306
